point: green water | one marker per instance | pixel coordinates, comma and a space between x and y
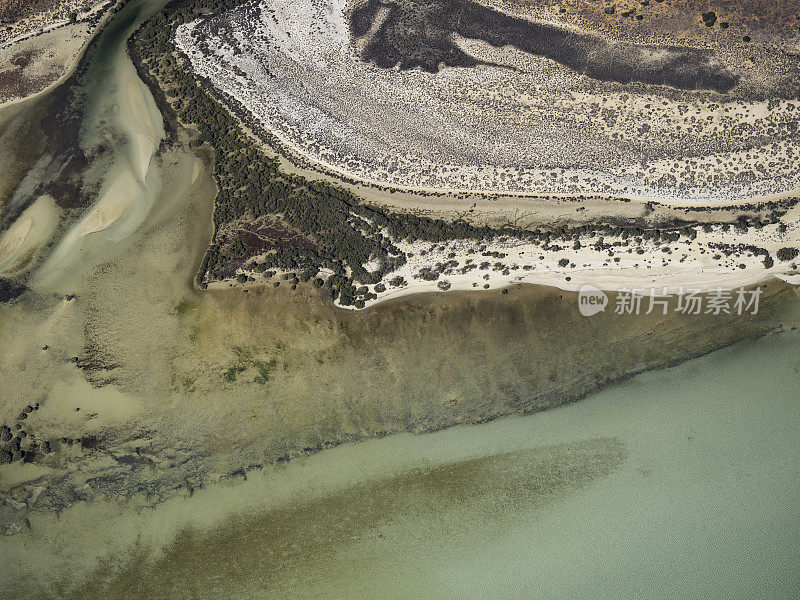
700, 499
678, 484
681, 483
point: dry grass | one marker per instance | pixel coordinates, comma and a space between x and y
24, 17
11, 10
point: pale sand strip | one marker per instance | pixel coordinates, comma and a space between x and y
690, 264
29, 234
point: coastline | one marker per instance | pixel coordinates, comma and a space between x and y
98, 9
594, 354
179, 389
711, 260
160, 438
697, 253
96, 18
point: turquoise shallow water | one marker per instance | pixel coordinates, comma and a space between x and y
706, 505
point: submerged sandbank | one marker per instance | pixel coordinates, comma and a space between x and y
594, 496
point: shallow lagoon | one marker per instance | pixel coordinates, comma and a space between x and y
681, 483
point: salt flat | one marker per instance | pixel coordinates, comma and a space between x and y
514, 122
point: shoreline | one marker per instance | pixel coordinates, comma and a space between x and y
708, 260
781, 315
99, 7
103, 12
590, 260
294, 161
428, 289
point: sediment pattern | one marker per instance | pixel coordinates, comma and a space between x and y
487, 101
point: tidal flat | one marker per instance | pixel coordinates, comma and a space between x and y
679, 482
189, 443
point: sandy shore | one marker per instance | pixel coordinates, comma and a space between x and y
44, 21
714, 259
